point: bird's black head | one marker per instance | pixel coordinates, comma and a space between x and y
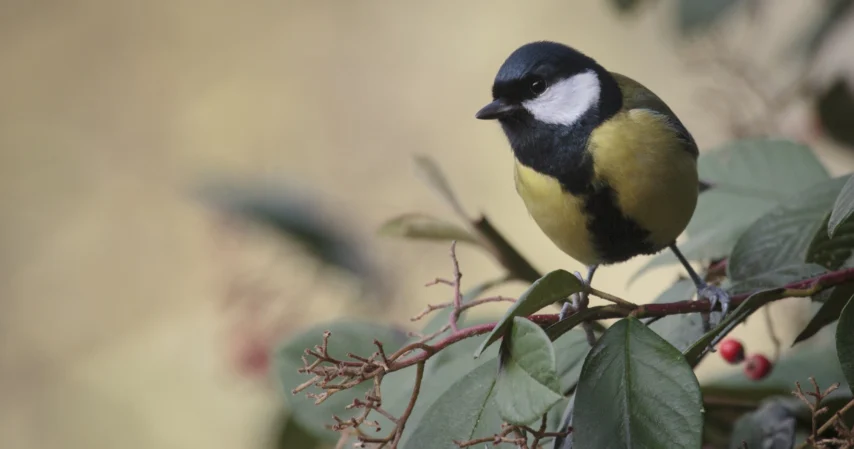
550, 83
549, 98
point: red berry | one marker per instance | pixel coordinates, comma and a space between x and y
758, 366
732, 351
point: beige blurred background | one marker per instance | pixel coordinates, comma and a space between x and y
112, 276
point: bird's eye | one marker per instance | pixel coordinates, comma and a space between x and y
538, 86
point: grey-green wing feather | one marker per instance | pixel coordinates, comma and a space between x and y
637, 96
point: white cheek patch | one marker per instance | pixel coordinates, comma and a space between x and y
564, 102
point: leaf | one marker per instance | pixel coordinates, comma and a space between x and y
293, 214
527, 385
291, 435
834, 253
626, 6
620, 401
561, 327
463, 411
696, 15
425, 227
772, 426
750, 178
547, 290
843, 207
828, 313
346, 337
845, 342
678, 330
432, 174
783, 236
778, 278
699, 349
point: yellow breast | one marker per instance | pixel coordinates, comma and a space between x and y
654, 177
557, 213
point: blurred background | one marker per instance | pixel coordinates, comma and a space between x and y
133, 314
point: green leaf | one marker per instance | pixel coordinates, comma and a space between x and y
527, 385
463, 411
547, 290
293, 214
678, 330
696, 15
346, 337
429, 170
561, 327
701, 347
832, 253
783, 236
425, 227
620, 402
291, 435
771, 426
778, 278
829, 312
749, 178
571, 348
843, 207
845, 342
626, 6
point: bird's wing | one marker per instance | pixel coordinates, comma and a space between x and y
637, 96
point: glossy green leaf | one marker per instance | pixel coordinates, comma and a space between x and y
701, 347
843, 207
429, 170
783, 236
845, 342
547, 290
465, 410
749, 178
561, 327
527, 385
620, 401
829, 312
425, 227
832, 253
346, 337
697, 15
679, 330
778, 278
571, 348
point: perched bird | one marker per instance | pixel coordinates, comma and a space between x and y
604, 167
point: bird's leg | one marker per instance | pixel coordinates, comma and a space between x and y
579, 301
714, 294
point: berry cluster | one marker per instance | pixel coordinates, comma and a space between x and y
757, 367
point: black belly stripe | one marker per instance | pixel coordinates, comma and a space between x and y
616, 237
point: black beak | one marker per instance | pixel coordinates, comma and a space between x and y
497, 109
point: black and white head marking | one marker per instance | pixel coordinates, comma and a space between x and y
567, 100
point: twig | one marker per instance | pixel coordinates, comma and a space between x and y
835, 417
458, 296
612, 298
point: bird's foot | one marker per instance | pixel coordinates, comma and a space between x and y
576, 303
716, 296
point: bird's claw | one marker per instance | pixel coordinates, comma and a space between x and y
575, 302
716, 296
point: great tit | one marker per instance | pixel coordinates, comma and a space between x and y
604, 167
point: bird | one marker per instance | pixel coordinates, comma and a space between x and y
604, 167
